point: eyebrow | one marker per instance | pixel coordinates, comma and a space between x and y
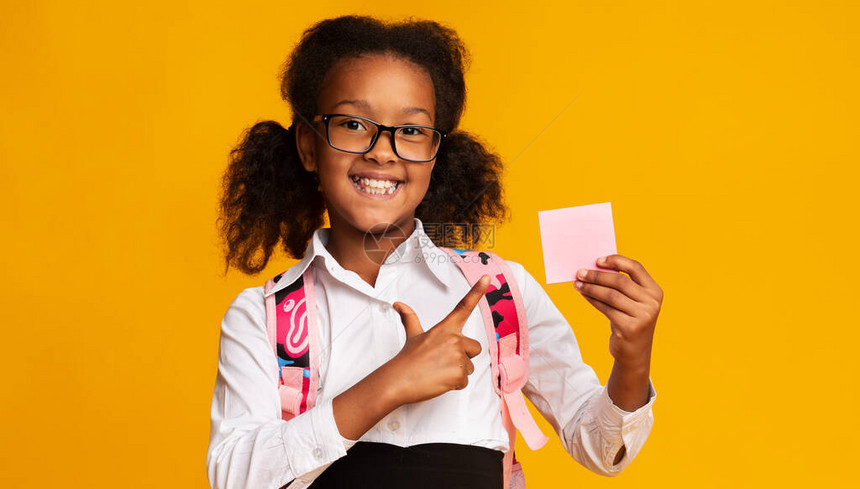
362, 104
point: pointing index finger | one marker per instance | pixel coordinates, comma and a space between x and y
463, 308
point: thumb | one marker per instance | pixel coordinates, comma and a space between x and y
409, 318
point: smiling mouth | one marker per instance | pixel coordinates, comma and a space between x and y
375, 187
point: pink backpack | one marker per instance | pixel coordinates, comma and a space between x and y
291, 323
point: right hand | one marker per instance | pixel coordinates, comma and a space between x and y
434, 362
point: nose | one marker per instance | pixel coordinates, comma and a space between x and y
383, 149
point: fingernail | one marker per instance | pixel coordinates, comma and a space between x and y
577, 284
582, 273
602, 259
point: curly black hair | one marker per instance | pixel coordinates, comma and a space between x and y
267, 196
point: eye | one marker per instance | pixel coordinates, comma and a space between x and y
352, 124
414, 132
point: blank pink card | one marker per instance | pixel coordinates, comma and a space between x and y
575, 238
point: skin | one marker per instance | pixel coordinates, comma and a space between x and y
392, 91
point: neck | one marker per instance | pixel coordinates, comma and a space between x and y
364, 253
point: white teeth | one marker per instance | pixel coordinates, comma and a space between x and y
383, 184
375, 187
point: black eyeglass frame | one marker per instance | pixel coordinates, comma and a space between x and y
326, 118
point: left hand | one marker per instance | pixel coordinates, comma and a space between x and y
631, 302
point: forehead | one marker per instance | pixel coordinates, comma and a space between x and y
379, 84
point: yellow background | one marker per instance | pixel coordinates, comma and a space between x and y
723, 133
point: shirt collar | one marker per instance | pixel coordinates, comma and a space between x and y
417, 248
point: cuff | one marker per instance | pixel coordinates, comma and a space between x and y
614, 415
308, 478
623, 428
313, 442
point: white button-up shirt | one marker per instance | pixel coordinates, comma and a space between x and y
252, 447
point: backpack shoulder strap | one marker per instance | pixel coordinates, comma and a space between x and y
291, 324
507, 329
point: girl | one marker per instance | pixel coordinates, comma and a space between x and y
405, 393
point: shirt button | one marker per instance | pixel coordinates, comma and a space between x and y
383, 308
394, 425
317, 453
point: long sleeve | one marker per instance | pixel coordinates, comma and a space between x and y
568, 393
250, 446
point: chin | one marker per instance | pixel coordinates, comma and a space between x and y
382, 224
383, 227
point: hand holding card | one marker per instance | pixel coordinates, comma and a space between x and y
573, 238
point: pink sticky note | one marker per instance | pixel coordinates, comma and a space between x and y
575, 238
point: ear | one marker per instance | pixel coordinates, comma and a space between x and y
305, 144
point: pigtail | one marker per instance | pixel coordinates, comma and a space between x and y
465, 192
267, 196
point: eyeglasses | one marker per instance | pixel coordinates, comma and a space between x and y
354, 134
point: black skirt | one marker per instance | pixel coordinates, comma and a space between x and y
427, 466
